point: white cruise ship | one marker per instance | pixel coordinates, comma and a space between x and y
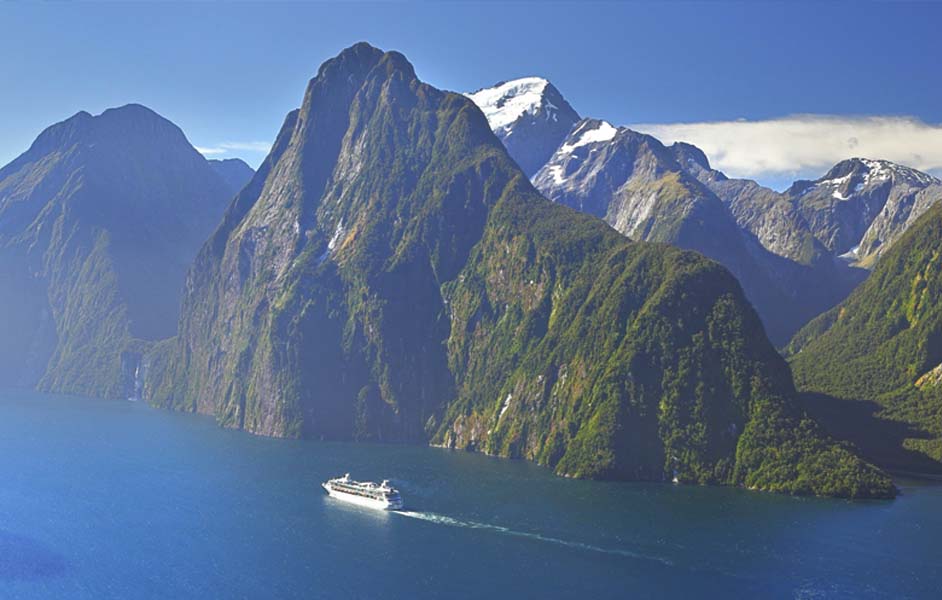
364, 493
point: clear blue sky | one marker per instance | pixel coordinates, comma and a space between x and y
230, 72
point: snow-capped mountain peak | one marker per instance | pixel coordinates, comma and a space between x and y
855, 175
884, 169
861, 205
506, 102
529, 115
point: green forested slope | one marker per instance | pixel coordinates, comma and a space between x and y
884, 343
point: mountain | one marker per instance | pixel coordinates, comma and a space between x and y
650, 192
529, 116
629, 179
854, 212
391, 274
788, 249
810, 279
830, 228
861, 206
99, 221
873, 364
234, 171
636, 184
770, 216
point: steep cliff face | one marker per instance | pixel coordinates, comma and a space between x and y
99, 220
315, 309
391, 274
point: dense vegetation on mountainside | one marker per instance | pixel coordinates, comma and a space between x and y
99, 221
678, 380
390, 274
884, 344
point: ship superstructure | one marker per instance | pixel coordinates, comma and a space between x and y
364, 493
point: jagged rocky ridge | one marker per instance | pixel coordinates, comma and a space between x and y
99, 221
777, 244
770, 217
853, 212
391, 274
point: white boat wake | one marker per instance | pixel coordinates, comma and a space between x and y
443, 520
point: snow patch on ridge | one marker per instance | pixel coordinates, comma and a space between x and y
505, 103
603, 132
877, 173
882, 170
557, 172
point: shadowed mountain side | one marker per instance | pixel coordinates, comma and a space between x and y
99, 221
879, 439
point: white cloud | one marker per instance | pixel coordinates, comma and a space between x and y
210, 151
806, 144
232, 147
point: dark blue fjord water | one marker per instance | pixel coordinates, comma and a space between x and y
115, 500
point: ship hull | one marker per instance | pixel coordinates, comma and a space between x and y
373, 503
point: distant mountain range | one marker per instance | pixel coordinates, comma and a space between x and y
794, 253
99, 222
